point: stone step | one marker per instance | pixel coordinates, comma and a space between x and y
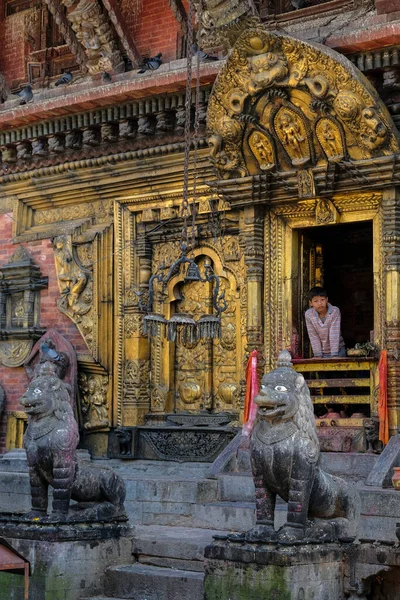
177, 543
231, 516
146, 582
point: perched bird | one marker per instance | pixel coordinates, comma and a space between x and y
151, 64
106, 77
64, 79
203, 55
51, 354
25, 95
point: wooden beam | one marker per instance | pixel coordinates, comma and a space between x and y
56, 9
119, 22
179, 11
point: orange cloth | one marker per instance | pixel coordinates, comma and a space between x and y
250, 407
382, 400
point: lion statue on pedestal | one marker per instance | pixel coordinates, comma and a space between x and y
285, 458
50, 442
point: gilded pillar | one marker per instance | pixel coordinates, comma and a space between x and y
136, 402
391, 263
252, 241
133, 254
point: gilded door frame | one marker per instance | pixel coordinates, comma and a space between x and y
282, 225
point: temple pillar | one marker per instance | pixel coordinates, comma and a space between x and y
391, 307
133, 350
252, 241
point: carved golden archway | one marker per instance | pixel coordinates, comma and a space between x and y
280, 104
203, 375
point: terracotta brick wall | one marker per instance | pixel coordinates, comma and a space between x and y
156, 30
13, 46
15, 381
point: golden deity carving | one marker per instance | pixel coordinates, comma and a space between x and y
291, 132
262, 149
330, 138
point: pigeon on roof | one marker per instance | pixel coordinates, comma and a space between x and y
25, 95
106, 77
151, 64
203, 55
64, 79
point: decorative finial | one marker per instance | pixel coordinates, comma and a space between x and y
285, 359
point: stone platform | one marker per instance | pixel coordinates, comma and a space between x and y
67, 560
331, 571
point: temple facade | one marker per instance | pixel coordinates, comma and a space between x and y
293, 181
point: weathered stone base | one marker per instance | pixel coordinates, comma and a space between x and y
250, 572
67, 561
332, 571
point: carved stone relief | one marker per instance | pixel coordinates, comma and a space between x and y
93, 393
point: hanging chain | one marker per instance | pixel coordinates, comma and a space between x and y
188, 106
196, 121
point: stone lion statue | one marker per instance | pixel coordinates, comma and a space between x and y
285, 459
50, 441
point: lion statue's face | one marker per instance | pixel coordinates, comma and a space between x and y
45, 395
279, 396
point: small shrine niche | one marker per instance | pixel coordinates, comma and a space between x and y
20, 285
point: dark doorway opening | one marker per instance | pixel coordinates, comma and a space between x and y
340, 258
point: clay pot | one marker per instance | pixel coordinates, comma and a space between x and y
396, 478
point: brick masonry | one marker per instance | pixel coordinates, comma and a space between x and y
14, 381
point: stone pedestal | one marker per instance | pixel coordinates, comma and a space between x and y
68, 561
237, 571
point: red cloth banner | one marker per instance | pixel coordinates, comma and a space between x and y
250, 407
382, 400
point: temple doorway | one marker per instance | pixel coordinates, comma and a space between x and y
340, 259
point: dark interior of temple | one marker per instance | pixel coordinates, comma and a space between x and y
348, 275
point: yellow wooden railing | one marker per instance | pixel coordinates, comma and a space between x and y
357, 380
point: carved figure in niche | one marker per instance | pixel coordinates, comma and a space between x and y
291, 132
262, 150
329, 137
305, 183
285, 457
94, 400
50, 442
325, 212
72, 279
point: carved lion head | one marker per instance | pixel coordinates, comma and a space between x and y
47, 395
284, 396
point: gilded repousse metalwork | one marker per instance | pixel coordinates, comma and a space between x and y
311, 104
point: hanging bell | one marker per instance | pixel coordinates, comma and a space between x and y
192, 273
184, 321
209, 326
153, 324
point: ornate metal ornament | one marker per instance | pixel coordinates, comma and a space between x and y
208, 326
